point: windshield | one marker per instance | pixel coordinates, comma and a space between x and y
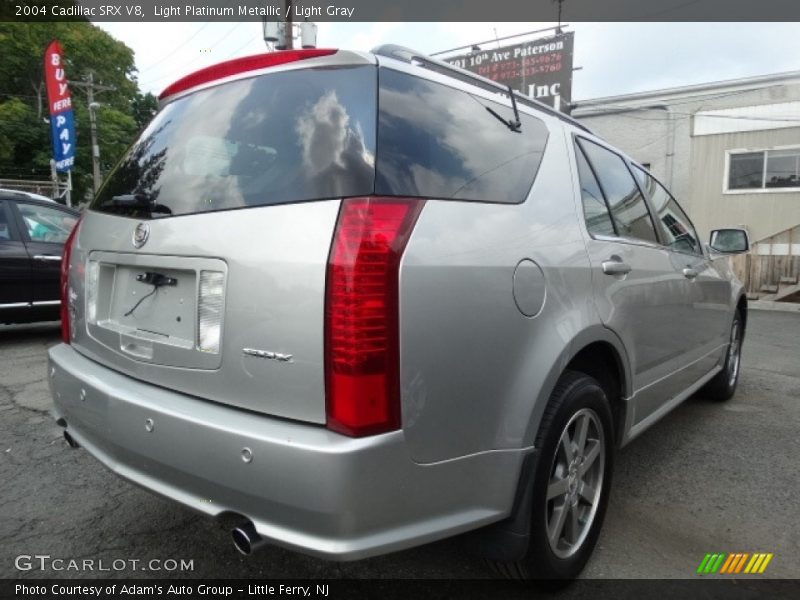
284, 137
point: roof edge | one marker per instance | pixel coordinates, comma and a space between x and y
695, 89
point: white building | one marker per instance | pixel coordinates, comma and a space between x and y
730, 153
729, 150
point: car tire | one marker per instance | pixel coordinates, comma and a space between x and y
723, 386
569, 499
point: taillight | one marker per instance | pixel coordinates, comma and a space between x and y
362, 347
66, 291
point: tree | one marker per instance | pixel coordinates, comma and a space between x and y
22, 139
145, 107
24, 129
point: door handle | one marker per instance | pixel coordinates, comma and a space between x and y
689, 273
615, 267
48, 257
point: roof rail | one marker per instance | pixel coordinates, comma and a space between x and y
410, 56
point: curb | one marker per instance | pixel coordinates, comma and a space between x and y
776, 306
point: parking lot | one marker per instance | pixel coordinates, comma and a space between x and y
708, 478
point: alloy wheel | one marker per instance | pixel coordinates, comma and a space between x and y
734, 356
576, 483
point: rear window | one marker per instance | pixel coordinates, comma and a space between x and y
436, 141
285, 137
310, 134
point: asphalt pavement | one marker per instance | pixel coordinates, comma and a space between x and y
710, 477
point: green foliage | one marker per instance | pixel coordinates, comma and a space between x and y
144, 108
25, 149
19, 140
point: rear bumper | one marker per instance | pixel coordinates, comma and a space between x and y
305, 488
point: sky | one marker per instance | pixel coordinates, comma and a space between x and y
616, 58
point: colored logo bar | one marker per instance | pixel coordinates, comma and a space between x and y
734, 563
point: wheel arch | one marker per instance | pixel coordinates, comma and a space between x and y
599, 352
596, 351
602, 361
741, 306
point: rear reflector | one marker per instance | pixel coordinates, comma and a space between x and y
362, 346
209, 311
242, 65
90, 290
68, 295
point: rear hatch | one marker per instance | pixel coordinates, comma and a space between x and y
205, 252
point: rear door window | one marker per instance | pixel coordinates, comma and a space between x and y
436, 141
678, 232
290, 136
595, 209
628, 208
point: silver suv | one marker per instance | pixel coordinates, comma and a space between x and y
356, 302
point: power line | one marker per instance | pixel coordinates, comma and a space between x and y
660, 138
174, 50
694, 99
232, 54
743, 117
172, 74
15, 95
686, 115
621, 110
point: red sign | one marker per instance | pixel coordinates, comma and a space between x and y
541, 69
56, 79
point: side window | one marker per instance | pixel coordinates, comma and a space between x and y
679, 234
595, 210
46, 224
6, 233
628, 208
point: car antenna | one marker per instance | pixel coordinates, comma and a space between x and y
516, 124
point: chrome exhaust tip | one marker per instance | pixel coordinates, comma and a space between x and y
71, 441
246, 538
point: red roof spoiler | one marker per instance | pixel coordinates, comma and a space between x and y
241, 65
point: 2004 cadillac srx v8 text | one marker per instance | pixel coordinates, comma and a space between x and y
357, 302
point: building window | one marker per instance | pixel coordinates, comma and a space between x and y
783, 168
764, 170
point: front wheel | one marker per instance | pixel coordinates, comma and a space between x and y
723, 385
572, 480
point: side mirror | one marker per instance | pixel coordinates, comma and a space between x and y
729, 241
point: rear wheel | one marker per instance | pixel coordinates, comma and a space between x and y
723, 385
571, 483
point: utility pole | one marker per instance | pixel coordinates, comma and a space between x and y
289, 26
93, 129
89, 86
560, 2
279, 35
